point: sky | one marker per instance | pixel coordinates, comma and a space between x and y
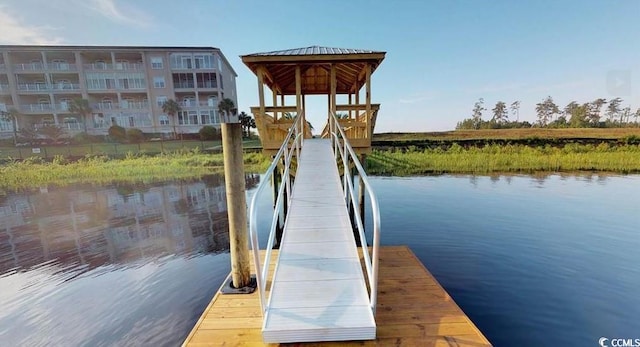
442, 56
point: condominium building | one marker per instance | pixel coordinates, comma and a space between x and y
124, 86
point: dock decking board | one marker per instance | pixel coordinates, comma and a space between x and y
413, 310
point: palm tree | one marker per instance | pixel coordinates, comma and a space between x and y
12, 115
227, 108
247, 123
171, 108
82, 108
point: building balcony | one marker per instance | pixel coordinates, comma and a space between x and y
195, 105
43, 87
184, 85
125, 105
29, 67
64, 125
192, 67
34, 87
66, 87
110, 88
3, 67
116, 66
62, 66
37, 108
4, 88
207, 85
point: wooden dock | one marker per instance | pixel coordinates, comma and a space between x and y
412, 310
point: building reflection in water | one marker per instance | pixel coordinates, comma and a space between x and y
116, 224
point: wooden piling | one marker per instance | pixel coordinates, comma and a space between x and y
236, 203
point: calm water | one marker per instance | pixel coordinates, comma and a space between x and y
532, 260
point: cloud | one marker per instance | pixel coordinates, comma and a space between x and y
14, 31
418, 97
125, 14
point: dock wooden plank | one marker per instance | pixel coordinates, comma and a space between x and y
413, 310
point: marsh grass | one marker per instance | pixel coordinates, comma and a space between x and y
506, 158
187, 164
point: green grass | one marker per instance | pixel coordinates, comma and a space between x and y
508, 158
115, 149
34, 172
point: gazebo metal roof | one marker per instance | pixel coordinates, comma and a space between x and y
314, 50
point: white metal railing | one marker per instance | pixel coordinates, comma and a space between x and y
34, 86
291, 146
65, 86
116, 66
345, 152
184, 85
28, 66
37, 107
208, 84
59, 66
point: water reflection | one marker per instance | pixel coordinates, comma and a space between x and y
117, 224
87, 265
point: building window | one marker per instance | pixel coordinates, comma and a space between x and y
158, 82
156, 63
213, 115
164, 119
205, 61
188, 117
160, 100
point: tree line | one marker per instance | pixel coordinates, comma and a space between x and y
550, 115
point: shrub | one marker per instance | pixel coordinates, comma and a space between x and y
117, 133
84, 138
135, 135
208, 133
632, 140
54, 133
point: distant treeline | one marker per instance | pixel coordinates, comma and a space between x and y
549, 114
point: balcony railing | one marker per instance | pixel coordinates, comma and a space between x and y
62, 66
38, 87
64, 125
193, 104
116, 66
66, 86
211, 84
184, 85
37, 108
116, 87
190, 66
4, 88
34, 87
135, 105
28, 67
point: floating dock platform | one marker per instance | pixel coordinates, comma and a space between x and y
413, 310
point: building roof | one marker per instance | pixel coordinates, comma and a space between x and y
315, 50
97, 47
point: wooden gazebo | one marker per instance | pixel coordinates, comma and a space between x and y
315, 71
